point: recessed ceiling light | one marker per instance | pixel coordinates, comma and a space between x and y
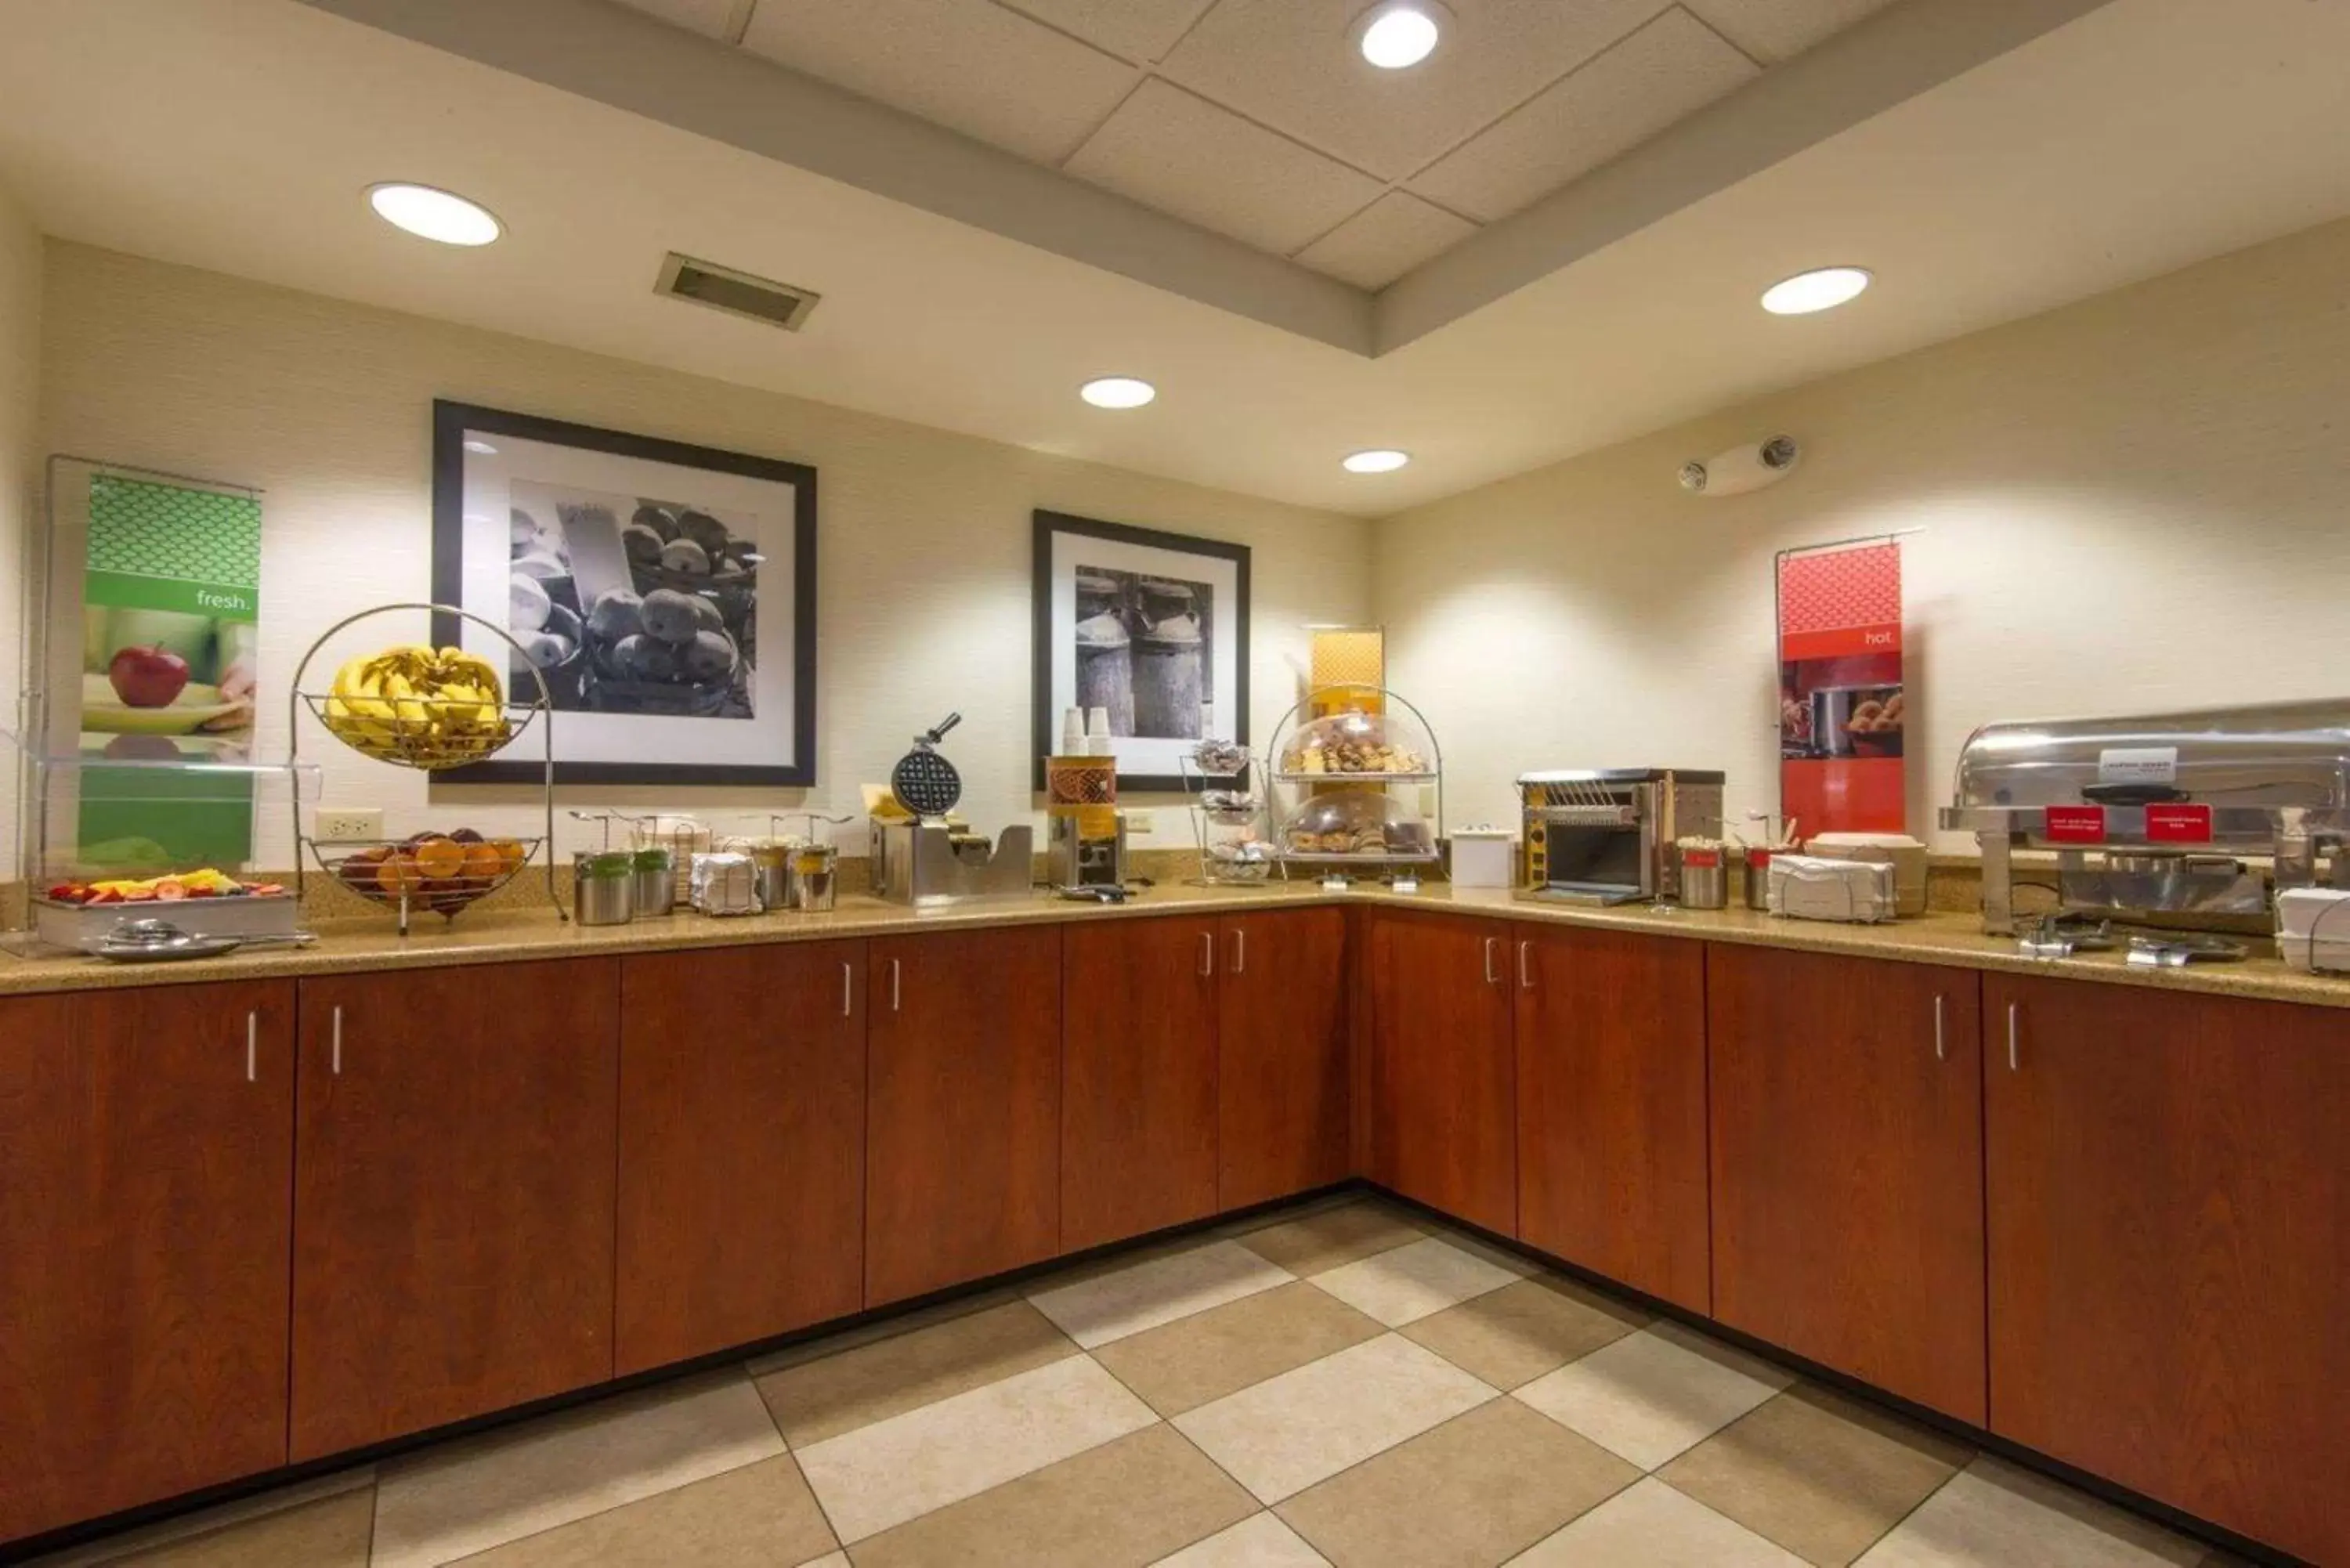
1398, 34
1379, 460
482, 447
1821, 289
1117, 392
433, 215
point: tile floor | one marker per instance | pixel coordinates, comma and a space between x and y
1342, 1384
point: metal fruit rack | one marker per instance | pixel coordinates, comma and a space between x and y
1246, 782
430, 744
1289, 790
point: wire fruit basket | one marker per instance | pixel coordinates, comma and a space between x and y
429, 709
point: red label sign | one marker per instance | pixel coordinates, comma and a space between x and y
2075, 825
2179, 824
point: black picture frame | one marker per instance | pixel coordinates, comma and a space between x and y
1049, 525
451, 423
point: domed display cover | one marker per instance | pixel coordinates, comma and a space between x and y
1357, 825
1355, 745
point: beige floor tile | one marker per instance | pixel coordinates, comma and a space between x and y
1476, 1246
1122, 1505
1181, 1365
1515, 1335
1159, 1290
754, 1517
1288, 1432
331, 1532
1324, 1240
819, 1399
1651, 1395
1468, 1494
829, 1560
1287, 1213
1995, 1514
1261, 1541
893, 1470
1821, 1475
1415, 1280
879, 1329
1651, 1525
123, 1546
469, 1496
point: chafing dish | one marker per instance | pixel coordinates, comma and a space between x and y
2157, 815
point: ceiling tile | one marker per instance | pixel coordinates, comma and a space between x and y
1776, 30
1173, 151
968, 64
1667, 70
1137, 29
710, 18
1292, 64
1385, 240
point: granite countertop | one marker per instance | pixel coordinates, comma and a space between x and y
495, 936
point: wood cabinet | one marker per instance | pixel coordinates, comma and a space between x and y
1137, 1077
1611, 1101
146, 1160
962, 1151
2169, 1231
741, 1127
1442, 1074
454, 1144
1847, 1175
1284, 1054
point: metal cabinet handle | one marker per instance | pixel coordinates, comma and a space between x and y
1492, 978
893, 985
336, 1059
252, 1046
848, 1003
1525, 965
1942, 1045
1207, 952
2013, 1062
1240, 949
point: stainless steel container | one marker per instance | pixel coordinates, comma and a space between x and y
815, 878
656, 882
1758, 879
603, 887
1705, 879
771, 862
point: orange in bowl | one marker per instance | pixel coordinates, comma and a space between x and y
511, 851
399, 874
483, 863
440, 858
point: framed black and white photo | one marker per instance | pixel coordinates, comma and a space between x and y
666, 591
1151, 628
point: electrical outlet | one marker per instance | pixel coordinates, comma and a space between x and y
347, 824
1139, 824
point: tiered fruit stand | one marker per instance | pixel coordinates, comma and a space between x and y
1357, 787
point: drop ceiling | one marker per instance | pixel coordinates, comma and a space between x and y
1258, 120
971, 290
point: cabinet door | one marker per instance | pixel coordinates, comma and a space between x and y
2170, 1248
1444, 1084
742, 1185
1611, 1107
1847, 1166
146, 1163
454, 1144
962, 1151
1137, 1077
1282, 1019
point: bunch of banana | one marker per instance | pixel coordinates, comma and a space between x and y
425, 706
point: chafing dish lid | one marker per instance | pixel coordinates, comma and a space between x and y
2274, 756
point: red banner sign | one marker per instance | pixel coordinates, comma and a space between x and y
2179, 824
1841, 702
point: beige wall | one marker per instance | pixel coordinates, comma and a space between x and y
924, 536
20, 350
2137, 502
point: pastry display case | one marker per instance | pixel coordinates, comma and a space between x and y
1357, 787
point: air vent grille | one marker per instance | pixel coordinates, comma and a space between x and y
737, 293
